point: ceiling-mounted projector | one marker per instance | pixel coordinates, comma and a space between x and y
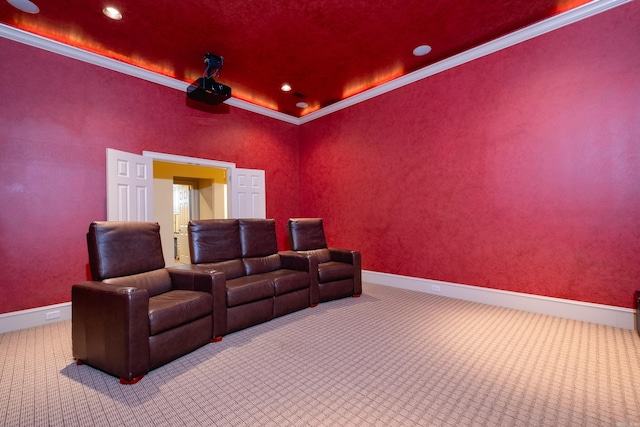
206, 89
209, 91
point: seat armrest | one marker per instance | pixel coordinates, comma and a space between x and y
198, 278
295, 261
353, 258
106, 288
110, 327
344, 255
191, 279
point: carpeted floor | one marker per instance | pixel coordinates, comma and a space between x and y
390, 358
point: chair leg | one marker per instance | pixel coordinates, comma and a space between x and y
313, 305
216, 339
122, 380
356, 295
131, 381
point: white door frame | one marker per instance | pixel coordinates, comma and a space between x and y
233, 211
174, 158
233, 195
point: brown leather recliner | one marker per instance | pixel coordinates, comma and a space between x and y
137, 315
339, 270
260, 282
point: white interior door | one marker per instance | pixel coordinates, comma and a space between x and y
129, 186
183, 196
248, 193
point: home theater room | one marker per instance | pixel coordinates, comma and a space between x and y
423, 213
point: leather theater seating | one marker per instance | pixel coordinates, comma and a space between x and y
260, 283
339, 270
137, 315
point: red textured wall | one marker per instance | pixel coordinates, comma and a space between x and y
518, 171
58, 116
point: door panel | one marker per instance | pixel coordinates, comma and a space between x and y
183, 193
248, 193
129, 186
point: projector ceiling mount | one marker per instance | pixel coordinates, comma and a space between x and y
214, 65
206, 89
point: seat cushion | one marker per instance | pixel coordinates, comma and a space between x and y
175, 308
285, 281
331, 271
248, 289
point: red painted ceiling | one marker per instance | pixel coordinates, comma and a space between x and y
327, 50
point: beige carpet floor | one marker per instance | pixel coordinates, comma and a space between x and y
390, 358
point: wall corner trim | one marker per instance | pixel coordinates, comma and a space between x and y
30, 318
607, 315
561, 20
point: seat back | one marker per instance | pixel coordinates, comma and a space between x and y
259, 245
123, 248
306, 234
258, 237
214, 240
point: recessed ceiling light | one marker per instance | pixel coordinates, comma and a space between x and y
285, 87
24, 5
112, 13
422, 50
302, 105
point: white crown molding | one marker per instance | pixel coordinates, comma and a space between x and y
535, 30
234, 102
124, 68
608, 315
585, 11
34, 40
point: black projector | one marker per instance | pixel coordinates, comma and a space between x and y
209, 91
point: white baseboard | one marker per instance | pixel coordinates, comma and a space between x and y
618, 317
34, 317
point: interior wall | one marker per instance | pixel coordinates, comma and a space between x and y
517, 171
58, 116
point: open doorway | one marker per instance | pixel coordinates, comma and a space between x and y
140, 188
185, 208
183, 193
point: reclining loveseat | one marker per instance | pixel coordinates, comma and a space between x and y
259, 282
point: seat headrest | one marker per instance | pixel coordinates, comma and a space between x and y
306, 234
214, 240
118, 248
258, 237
